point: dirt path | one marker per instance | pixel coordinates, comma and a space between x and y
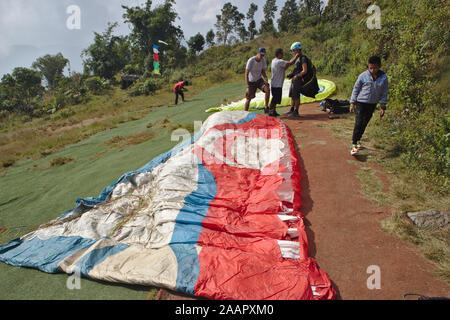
343, 227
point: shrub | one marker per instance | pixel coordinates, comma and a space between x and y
97, 85
65, 113
145, 87
4, 114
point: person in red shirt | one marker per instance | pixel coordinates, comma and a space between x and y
178, 90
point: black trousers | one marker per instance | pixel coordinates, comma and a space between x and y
179, 92
363, 114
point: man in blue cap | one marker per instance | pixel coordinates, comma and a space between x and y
256, 78
303, 80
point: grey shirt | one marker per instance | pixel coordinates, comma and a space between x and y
367, 90
278, 72
255, 68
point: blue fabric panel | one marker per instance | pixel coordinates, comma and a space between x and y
97, 256
188, 267
196, 206
188, 228
44, 255
248, 118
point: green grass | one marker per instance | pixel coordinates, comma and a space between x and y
32, 192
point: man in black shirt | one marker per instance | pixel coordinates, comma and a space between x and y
303, 80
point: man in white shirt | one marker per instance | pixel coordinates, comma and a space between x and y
256, 78
278, 68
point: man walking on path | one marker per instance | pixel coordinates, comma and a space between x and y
256, 78
278, 68
370, 88
178, 90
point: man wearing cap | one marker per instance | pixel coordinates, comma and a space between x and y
303, 80
256, 78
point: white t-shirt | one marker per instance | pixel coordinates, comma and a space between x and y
278, 72
255, 68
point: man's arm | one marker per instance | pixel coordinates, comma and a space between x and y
384, 98
246, 77
355, 93
356, 89
304, 71
263, 73
384, 94
292, 61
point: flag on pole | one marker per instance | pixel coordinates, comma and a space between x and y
156, 60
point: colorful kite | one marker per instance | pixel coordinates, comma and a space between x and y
215, 217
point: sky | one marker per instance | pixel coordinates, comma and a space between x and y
33, 28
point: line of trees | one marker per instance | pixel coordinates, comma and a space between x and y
44, 87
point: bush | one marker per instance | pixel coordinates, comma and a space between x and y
145, 87
96, 85
177, 76
149, 86
4, 114
66, 113
131, 69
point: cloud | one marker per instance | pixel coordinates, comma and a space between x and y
206, 11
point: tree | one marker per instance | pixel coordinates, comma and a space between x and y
151, 25
311, 7
51, 68
196, 43
341, 10
19, 89
243, 33
210, 38
269, 10
252, 24
229, 21
107, 55
289, 17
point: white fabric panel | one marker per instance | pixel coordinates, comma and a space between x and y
289, 249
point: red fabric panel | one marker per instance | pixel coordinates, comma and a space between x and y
240, 256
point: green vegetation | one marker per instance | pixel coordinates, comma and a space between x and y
433, 242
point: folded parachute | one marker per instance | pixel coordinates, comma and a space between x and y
215, 217
326, 89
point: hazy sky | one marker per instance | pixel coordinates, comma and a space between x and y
33, 28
